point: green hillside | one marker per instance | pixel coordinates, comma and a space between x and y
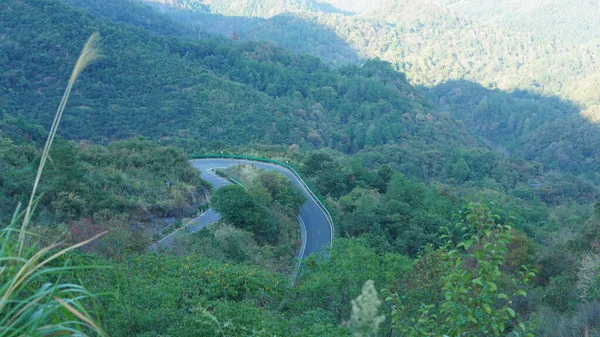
530, 126
132, 188
179, 90
418, 35
460, 209
436, 46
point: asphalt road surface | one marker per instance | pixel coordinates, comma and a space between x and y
316, 230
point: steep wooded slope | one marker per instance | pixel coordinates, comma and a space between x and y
206, 90
532, 96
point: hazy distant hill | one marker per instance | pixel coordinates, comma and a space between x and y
248, 8
569, 20
353, 6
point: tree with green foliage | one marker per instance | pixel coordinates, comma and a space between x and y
460, 170
477, 296
239, 208
332, 283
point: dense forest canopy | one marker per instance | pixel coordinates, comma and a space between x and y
430, 40
441, 46
207, 89
453, 142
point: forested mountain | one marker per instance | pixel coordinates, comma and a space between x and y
435, 45
132, 13
460, 208
524, 124
160, 87
430, 41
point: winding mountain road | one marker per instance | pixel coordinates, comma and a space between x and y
317, 230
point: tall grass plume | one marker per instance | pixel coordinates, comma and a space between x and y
34, 298
89, 54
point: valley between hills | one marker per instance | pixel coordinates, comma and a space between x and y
426, 168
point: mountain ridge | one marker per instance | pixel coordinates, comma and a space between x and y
437, 46
200, 90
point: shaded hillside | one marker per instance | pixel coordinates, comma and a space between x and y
534, 127
291, 31
353, 6
270, 8
435, 44
134, 13
203, 91
429, 41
